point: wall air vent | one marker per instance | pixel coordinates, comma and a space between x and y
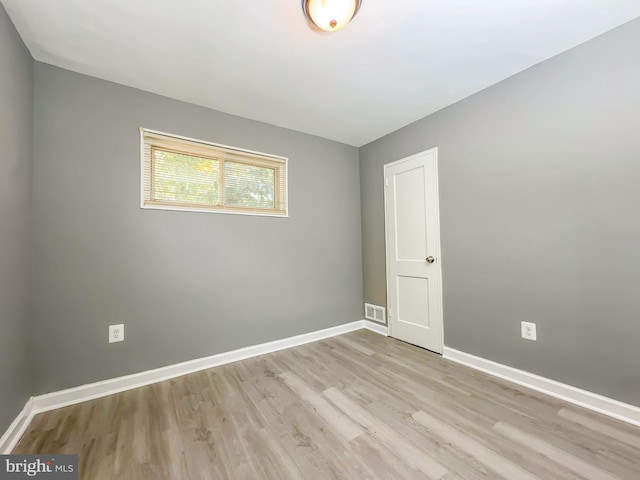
374, 313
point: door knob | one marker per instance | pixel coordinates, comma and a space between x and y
430, 259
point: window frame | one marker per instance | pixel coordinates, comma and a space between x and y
265, 160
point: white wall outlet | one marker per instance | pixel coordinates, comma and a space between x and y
529, 331
116, 333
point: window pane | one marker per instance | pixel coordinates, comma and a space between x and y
249, 186
185, 178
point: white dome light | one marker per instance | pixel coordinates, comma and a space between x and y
330, 15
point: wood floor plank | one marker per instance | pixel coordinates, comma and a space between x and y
340, 423
354, 345
381, 462
573, 463
455, 460
492, 460
601, 427
394, 441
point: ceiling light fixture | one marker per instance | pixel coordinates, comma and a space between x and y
330, 15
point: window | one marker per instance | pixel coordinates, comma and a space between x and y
185, 174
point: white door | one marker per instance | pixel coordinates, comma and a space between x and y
414, 274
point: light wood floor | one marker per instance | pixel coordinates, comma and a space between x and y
350, 407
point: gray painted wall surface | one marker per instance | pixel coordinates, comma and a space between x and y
540, 215
185, 285
16, 134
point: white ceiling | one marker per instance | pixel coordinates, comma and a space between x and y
395, 63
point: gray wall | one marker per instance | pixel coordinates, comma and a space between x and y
540, 215
16, 133
185, 285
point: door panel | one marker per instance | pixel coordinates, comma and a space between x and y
413, 237
410, 215
413, 301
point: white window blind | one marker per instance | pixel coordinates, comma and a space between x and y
185, 174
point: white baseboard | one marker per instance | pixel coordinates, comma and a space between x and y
63, 398
593, 401
50, 401
380, 328
83, 393
10, 439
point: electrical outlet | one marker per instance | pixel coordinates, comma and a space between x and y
116, 333
529, 331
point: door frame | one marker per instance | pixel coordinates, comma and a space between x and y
438, 253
